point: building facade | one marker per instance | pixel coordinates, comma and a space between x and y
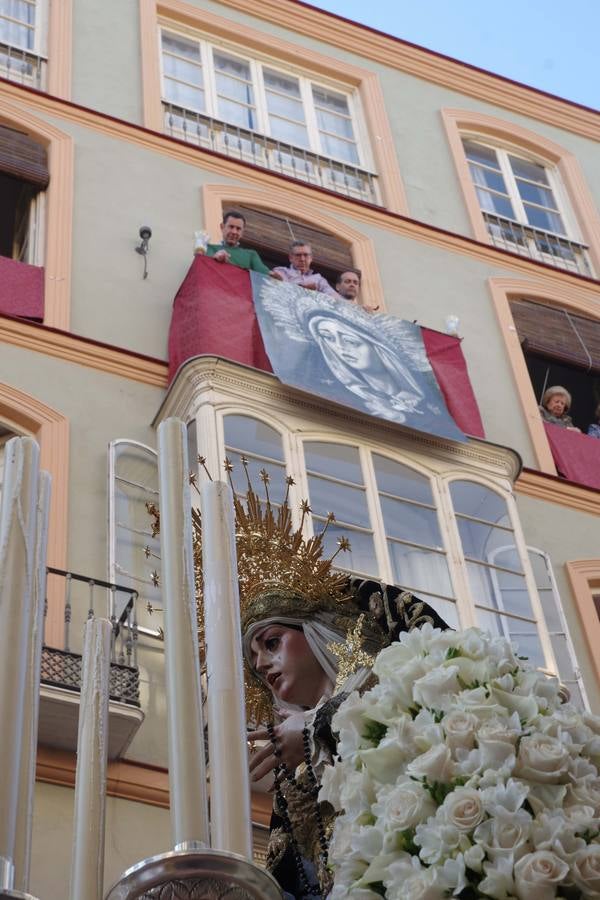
454, 192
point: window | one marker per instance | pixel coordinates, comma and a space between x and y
22, 41
255, 111
522, 203
403, 523
23, 178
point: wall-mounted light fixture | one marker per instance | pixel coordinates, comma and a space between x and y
143, 248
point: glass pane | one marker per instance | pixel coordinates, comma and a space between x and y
420, 570
499, 590
483, 542
231, 65
339, 149
475, 500
16, 35
523, 634
488, 178
288, 132
530, 170
280, 105
184, 95
233, 89
338, 460
330, 100
181, 46
253, 436
235, 114
547, 221
533, 193
495, 203
182, 70
411, 523
479, 153
394, 478
335, 124
348, 504
360, 557
285, 84
277, 485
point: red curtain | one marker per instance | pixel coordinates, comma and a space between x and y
213, 315
21, 289
577, 456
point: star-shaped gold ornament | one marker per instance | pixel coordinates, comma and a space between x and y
350, 655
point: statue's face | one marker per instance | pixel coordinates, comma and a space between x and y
282, 656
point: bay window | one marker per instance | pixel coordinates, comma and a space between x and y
22, 41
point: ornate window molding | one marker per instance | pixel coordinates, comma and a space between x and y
576, 203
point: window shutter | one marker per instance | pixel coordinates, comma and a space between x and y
558, 334
22, 157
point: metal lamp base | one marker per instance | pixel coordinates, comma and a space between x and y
195, 875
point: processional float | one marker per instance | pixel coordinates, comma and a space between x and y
211, 855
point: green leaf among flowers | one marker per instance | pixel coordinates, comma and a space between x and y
374, 732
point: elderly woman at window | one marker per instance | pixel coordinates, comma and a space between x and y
556, 403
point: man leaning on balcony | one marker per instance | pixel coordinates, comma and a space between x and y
300, 272
229, 250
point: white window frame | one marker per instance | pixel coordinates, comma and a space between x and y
256, 62
40, 40
503, 151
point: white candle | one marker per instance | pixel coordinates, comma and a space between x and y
187, 768
17, 547
32, 691
87, 867
228, 752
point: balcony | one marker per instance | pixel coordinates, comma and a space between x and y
542, 246
85, 598
22, 66
276, 156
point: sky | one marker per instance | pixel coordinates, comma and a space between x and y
547, 44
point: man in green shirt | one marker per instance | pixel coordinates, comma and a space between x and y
229, 250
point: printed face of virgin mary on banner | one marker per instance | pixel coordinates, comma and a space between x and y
374, 363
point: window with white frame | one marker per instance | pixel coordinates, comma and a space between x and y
252, 108
22, 41
524, 205
436, 537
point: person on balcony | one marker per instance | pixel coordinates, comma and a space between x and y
229, 249
594, 428
299, 270
556, 403
348, 286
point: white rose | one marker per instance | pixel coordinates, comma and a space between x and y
510, 797
504, 835
538, 874
592, 722
435, 689
506, 729
404, 806
460, 727
435, 765
463, 809
357, 793
438, 841
585, 870
412, 882
474, 643
498, 882
585, 792
525, 706
543, 759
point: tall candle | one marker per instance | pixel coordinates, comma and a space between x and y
187, 768
17, 547
87, 867
32, 691
228, 753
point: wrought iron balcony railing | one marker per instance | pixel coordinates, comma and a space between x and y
277, 156
543, 246
23, 66
84, 598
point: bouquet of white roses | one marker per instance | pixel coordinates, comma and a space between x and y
461, 774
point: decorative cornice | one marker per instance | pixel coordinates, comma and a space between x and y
223, 166
553, 489
395, 53
203, 378
129, 780
83, 351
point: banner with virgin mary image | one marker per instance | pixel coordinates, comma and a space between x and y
374, 363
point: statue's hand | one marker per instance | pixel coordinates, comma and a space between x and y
288, 741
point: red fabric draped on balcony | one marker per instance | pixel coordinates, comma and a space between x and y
577, 456
213, 315
21, 289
